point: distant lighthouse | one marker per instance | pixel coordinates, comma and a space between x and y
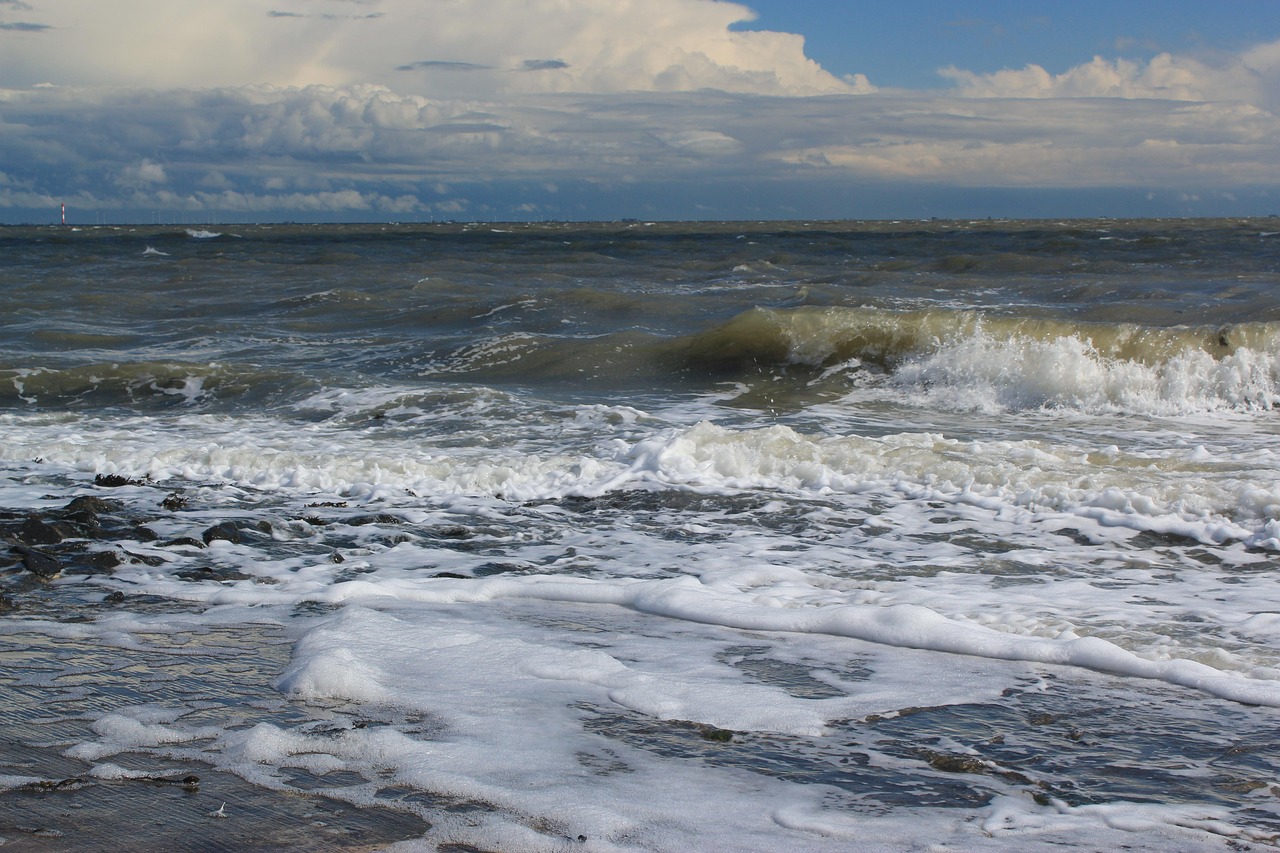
64, 213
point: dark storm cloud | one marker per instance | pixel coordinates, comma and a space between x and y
443, 65
543, 64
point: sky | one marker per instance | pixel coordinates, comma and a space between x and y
201, 112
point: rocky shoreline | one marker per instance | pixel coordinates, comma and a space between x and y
52, 688
83, 536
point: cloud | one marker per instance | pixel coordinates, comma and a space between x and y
1252, 77
1051, 143
393, 108
702, 142
261, 148
581, 45
543, 64
442, 65
328, 17
143, 173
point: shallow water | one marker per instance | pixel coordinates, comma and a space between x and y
655, 536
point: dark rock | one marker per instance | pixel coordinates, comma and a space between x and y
145, 559
948, 763
186, 541
145, 534
714, 734
453, 575
487, 569
44, 785
218, 573
174, 502
114, 481
7, 603
105, 560
37, 531
380, 518
952, 763
226, 531
90, 517
92, 505
336, 557
189, 782
83, 524
38, 563
114, 597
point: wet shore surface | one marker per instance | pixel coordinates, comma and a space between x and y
54, 688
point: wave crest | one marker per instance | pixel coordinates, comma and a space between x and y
969, 360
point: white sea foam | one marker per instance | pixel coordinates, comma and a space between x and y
485, 668
1192, 492
981, 372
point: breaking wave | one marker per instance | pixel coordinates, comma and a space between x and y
955, 359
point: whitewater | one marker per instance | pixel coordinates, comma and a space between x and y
639, 536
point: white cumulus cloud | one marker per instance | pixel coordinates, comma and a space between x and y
429, 47
143, 173
1252, 77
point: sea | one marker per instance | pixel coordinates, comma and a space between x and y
938, 535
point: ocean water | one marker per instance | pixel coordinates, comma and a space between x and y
660, 536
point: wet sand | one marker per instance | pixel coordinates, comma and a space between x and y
52, 690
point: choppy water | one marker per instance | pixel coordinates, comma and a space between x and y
635, 536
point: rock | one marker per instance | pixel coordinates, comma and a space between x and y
37, 531
187, 541
93, 505
38, 563
952, 763
379, 518
948, 763
226, 531
190, 782
145, 559
114, 481
105, 560
85, 514
218, 573
46, 785
714, 734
